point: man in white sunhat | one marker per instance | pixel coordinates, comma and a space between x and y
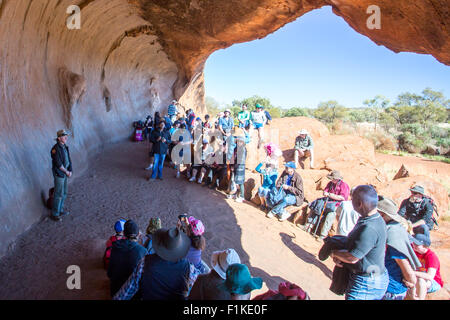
62, 170
206, 286
304, 147
172, 111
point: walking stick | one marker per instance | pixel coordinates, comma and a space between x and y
321, 214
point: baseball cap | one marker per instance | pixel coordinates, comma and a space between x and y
131, 229
119, 225
420, 239
290, 165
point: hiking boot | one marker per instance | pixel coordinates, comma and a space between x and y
150, 167
199, 181
64, 213
192, 179
229, 196
160, 178
284, 216
270, 215
239, 199
55, 218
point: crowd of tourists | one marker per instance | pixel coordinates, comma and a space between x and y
380, 250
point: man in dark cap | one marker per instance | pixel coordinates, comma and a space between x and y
62, 170
165, 275
125, 255
366, 246
418, 210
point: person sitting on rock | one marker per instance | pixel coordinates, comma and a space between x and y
165, 275
270, 175
292, 184
304, 147
243, 117
218, 169
125, 255
202, 166
347, 217
206, 287
400, 259
118, 227
334, 193
154, 225
172, 110
226, 124
258, 118
429, 278
195, 230
239, 282
418, 210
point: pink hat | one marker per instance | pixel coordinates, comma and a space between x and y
197, 226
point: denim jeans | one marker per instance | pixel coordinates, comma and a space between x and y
60, 195
158, 165
289, 200
367, 287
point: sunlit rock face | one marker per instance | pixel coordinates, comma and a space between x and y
131, 58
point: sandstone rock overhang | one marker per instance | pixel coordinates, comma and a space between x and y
131, 58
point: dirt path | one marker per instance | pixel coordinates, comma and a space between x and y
115, 186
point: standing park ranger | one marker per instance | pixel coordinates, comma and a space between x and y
62, 170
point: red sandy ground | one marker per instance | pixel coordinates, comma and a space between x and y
115, 186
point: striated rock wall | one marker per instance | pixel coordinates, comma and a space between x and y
132, 57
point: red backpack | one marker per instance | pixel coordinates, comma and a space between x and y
107, 253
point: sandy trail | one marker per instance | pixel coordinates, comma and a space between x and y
115, 186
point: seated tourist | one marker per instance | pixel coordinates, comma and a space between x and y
154, 225
206, 285
429, 278
218, 170
258, 118
347, 217
304, 147
292, 184
286, 291
118, 227
270, 175
239, 283
194, 231
418, 210
125, 255
201, 166
165, 275
400, 259
244, 117
366, 246
334, 193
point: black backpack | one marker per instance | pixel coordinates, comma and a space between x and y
435, 210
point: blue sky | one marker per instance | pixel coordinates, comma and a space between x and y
317, 58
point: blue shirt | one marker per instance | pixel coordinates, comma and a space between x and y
396, 285
269, 176
227, 124
288, 181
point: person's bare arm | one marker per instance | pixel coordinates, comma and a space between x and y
429, 275
409, 276
344, 256
334, 196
